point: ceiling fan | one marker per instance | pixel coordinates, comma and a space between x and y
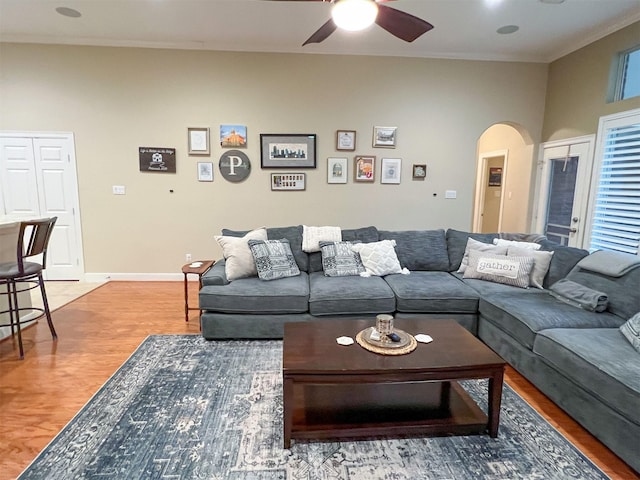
358, 14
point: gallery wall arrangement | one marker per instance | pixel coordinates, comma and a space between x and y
283, 151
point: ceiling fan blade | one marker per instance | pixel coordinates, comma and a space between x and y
401, 24
322, 33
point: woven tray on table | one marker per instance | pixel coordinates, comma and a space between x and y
406, 344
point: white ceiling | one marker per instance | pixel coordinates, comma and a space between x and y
464, 29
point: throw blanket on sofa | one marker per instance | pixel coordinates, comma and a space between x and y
612, 264
579, 296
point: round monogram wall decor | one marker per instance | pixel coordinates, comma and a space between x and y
235, 166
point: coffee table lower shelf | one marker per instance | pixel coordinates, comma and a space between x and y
332, 411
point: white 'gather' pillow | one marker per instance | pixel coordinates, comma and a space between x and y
514, 243
473, 244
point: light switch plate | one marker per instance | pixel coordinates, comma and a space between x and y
450, 194
118, 190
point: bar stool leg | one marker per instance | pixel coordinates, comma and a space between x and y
16, 311
47, 312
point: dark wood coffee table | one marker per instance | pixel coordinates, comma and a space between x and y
333, 391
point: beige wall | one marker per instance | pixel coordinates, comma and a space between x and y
516, 214
118, 99
578, 87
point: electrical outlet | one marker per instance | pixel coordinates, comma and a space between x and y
119, 190
187, 257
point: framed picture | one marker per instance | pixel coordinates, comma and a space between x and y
288, 181
346, 140
364, 168
198, 141
233, 136
288, 150
419, 171
495, 176
384, 137
336, 170
390, 170
205, 172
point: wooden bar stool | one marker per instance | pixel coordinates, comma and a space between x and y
15, 274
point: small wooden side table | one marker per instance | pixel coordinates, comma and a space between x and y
201, 270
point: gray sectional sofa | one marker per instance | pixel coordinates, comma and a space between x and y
578, 358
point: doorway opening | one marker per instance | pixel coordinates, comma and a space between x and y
504, 175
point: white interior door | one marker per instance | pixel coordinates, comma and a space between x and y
564, 187
39, 180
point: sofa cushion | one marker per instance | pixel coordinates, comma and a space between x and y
378, 258
563, 260
349, 295
432, 292
484, 288
293, 234
255, 296
600, 360
420, 249
273, 259
631, 331
364, 235
339, 259
216, 274
513, 271
239, 262
522, 316
457, 243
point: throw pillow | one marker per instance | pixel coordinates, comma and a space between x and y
631, 330
239, 261
513, 243
513, 271
378, 258
541, 262
480, 247
312, 236
339, 260
274, 259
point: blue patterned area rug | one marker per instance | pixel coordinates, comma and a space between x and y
185, 408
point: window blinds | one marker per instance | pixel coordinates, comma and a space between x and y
616, 217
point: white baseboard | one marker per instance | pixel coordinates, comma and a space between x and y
136, 277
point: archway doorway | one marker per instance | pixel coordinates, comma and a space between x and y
504, 175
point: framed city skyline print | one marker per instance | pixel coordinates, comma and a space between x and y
293, 150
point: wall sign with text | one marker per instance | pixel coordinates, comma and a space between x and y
157, 159
234, 166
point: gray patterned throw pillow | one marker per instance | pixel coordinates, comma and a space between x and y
274, 259
631, 330
339, 260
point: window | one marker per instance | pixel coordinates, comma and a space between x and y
616, 206
628, 74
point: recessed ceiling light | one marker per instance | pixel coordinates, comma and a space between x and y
507, 29
68, 12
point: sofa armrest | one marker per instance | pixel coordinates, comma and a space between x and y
216, 275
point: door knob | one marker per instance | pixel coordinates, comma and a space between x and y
573, 230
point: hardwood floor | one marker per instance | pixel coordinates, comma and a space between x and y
100, 330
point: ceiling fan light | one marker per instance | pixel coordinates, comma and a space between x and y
354, 15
